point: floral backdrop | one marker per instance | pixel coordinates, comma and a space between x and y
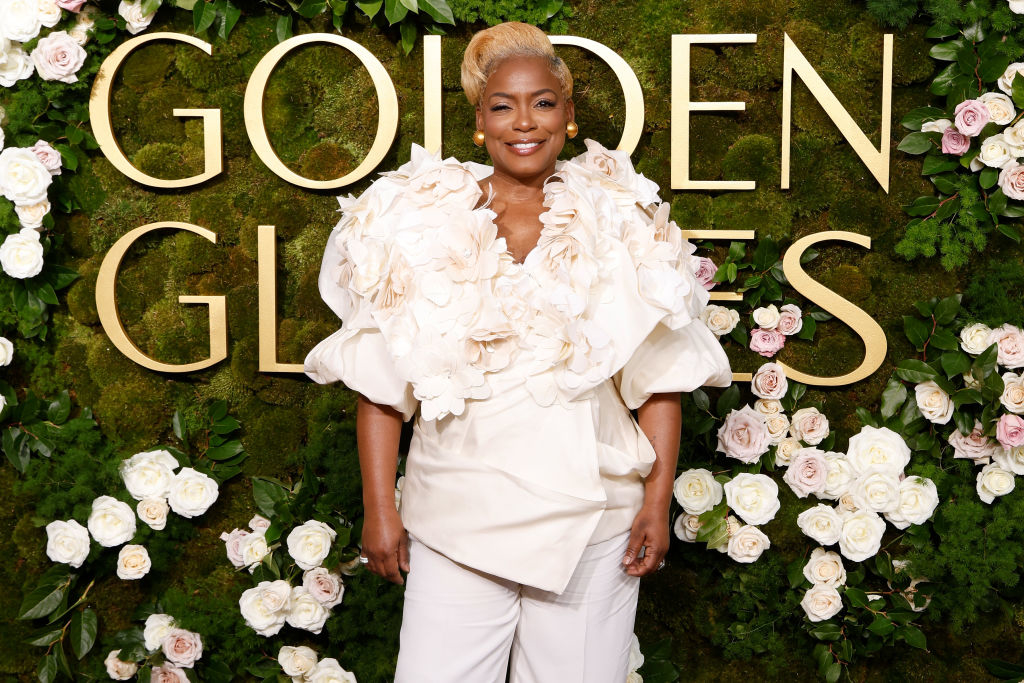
204, 526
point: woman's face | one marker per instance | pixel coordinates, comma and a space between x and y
523, 114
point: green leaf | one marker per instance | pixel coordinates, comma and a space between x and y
985, 363
1004, 670
866, 417
267, 493
60, 408
411, 5
913, 636
826, 630
728, 401
881, 626
700, 399
310, 8
16, 448
150, 6
916, 143
224, 452
42, 600
997, 201
47, 671
938, 163
988, 177
967, 396
795, 573
943, 83
438, 10
394, 11
283, 30
917, 331
893, 396
941, 31
203, 16
231, 16
177, 424
765, 254
955, 363
945, 183
808, 328
370, 9
963, 422
946, 52
922, 206
84, 625
943, 339
916, 117
916, 371
1010, 231
1018, 90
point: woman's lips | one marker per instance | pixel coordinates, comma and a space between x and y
524, 148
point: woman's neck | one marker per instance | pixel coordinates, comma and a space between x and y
515, 189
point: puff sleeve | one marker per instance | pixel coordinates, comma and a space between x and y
357, 354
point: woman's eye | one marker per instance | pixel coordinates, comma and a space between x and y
499, 107
545, 103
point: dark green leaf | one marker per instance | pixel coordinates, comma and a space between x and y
943, 83
795, 573
1010, 231
808, 328
765, 254
916, 117
955, 363
438, 10
866, 417
938, 163
411, 5
225, 451
988, 177
16, 448
700, 399
42, 600
283, 30
310, 8
915, 143
47, 671
84, 625
45, 638
893, 396
945, 183
881, 626
60, 408
231, 16
947, 208
946, 52
266, 494
913, 637
922, 206
1004, 670
394, 11
826, 630
203, 16
1018, 90
985, 363
916, 371
941, 31
728, 401
963, 422
917, 331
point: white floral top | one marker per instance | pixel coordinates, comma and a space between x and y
523, 374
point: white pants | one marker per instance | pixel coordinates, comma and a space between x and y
460, 625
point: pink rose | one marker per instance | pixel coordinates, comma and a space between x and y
71, 5
807, 472
167, 673
744, 435
182, 647
58, 57
233, 545
766, 342
1011, 180
47, 155
954, 142
1010, 340
259, 523
1010, 431
971, 117
769, 381
706, 270
975, 446
325, 587
791, 320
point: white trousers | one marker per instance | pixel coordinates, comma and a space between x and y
460, 625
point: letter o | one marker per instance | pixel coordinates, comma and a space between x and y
387, 119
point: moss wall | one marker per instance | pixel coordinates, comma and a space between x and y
321, 113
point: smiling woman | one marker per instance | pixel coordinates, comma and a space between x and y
519, 312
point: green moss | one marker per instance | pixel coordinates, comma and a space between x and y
168, 161
82, 299
762, 210
326, 161
207, 72
155, 121
752, 157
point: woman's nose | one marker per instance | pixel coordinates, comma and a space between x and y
524, 120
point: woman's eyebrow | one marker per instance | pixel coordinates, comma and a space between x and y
505, 94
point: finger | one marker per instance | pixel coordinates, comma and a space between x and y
636, 541
651, 560
391, 572
403, 553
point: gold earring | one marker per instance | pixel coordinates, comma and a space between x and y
571, 129
478, 138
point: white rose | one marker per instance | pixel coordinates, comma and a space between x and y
48, 156
1010, 342
296, 661
826, 567
192, 493
153, 511
995, 153
821, 602
877, 490
747, 544
1013, 393
1000, 107
133, 562
6, 351
918, 500
306, 611
32, 215
878, 446
49, 13
974, 338
21, 19
937, 126
686, 527
1014, 135
182, 648
636, 657
117, 669
791, 319
719, 319
697, 491
233, 545
845, 505
1010, 459
840, 474
329, 671
1016, 6
732, 527
934, 403
993, 481
58, 57
807, 472
809, 425
324, 586
754, 497
767, 316
861, 536
134, 18
156, 629
266, 606
768, 406
975, 446
785, 450
23, 178
168, 673
21, 254
67, 542
252, 549
769, 382
259, 523
821, 523
743, 435
1005, 81
111, 522
80, 32
309, 543
149, 474
778, 428
15, 65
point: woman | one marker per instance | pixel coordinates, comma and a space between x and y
520, 312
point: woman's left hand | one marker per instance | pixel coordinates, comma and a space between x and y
650, 531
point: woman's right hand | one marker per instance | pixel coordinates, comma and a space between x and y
386, 545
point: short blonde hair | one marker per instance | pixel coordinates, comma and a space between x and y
491, 46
